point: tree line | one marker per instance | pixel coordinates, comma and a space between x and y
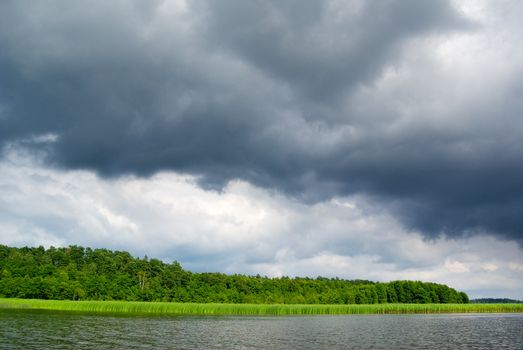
78, 273
495, 301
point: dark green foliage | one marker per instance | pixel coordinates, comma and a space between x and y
99, 274
496, 301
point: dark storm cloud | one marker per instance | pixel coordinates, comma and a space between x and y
322, 49
261, 91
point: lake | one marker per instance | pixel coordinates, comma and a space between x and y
23, 329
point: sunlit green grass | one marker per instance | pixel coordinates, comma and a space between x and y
164, 308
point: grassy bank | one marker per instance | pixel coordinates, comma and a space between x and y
160, 308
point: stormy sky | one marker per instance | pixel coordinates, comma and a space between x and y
362, 139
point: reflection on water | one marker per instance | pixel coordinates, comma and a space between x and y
39, 330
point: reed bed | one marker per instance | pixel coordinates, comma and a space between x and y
166, 308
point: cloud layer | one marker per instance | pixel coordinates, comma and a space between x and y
417, 104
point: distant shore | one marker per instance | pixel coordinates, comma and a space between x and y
168, 308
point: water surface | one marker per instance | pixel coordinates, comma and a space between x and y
52, 330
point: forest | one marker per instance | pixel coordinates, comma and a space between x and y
78, 273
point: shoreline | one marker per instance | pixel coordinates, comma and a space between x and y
179, 309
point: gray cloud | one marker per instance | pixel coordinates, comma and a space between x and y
322, 49
314, 99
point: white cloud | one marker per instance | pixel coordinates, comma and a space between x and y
455, 266
515, 267
489, 267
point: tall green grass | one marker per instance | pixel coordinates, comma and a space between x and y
163, 308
